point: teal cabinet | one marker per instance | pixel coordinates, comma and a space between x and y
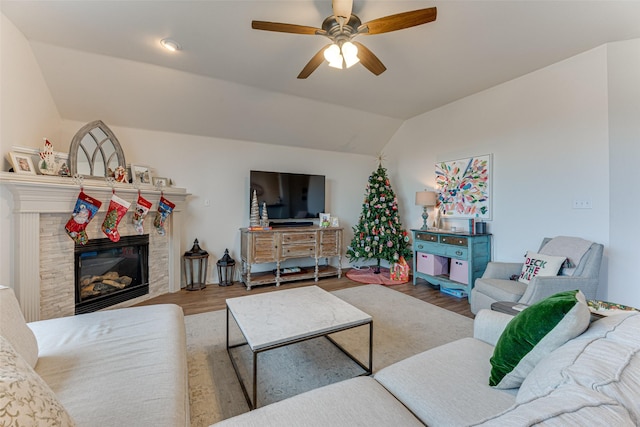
467, 255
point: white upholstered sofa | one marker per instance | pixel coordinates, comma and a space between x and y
593, 379
122, 367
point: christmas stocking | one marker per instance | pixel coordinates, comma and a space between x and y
165, 207
86, 207
117, 208
140, 212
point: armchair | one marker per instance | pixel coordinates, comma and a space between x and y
495, 284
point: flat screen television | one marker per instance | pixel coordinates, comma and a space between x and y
291, 198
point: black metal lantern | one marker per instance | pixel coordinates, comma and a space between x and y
226, 267
194, 263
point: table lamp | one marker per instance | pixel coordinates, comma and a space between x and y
425, 199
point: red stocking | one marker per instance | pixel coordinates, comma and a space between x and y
86, 207
117, 208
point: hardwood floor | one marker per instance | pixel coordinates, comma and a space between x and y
213, 296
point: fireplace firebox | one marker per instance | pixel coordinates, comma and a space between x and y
108, 273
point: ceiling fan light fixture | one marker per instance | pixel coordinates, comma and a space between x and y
336, 64
350, 54
170, 44
333, 56
341, 27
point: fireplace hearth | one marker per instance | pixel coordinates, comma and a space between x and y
108, 273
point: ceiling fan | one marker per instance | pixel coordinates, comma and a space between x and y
341, 28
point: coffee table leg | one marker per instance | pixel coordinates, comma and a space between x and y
252, 405
368, 370
370, 347
255, 380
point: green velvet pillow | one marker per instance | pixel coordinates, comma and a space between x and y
534, 333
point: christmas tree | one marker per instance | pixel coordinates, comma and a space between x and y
255, 211
379, 234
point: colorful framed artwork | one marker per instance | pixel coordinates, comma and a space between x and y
464, 187
22, 163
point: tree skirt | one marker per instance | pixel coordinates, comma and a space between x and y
367, 275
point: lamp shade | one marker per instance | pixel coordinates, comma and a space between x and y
426, 198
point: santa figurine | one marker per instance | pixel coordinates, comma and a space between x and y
120, 175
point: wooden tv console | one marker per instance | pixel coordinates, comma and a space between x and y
279, 244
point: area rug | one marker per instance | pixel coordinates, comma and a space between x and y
403, 326
367, 275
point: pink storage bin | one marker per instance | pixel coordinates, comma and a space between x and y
432, 264
459, 271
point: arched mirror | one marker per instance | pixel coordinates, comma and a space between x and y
95, 151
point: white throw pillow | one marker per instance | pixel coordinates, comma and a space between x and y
536, 264
14, 328
25, 399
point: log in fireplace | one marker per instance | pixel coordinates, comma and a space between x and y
108, 273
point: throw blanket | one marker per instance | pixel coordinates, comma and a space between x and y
573, 248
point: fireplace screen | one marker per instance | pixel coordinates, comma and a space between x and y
108, 273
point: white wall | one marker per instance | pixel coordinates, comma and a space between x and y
218, 170
624, 151
548, 133
27, 114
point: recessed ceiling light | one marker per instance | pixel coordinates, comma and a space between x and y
170, 44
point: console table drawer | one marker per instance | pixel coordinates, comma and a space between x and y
454, 240
427, 237
299, 250
289, 238
455, 252
440, 249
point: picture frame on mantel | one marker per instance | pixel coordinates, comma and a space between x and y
160, 181
22, 163
140, 174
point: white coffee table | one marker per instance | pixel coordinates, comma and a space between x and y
276, 319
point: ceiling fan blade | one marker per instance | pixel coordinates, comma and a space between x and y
399, 21
314, 63
286, 28
342, 8
369, 60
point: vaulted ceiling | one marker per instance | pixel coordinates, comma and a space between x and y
103, 60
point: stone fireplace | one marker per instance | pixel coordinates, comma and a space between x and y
43, 264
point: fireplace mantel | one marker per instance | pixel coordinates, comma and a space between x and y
38, 195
